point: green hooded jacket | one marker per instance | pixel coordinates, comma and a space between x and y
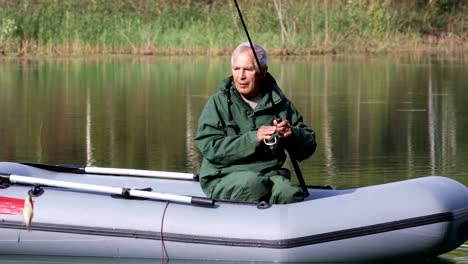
227, 133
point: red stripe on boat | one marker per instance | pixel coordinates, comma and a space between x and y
13, 206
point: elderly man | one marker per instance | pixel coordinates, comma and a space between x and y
234, 131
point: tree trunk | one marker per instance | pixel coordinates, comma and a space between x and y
325, 41
284, 33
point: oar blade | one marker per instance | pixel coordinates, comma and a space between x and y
57, 168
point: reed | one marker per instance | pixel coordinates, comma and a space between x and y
212, 27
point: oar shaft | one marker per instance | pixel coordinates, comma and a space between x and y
162, 196
141, 173
109, 190
116, 171
64, 184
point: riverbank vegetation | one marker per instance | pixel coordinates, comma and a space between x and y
299, 27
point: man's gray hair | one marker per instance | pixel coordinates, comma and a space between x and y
259, 50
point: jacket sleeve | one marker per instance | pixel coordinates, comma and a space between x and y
302, 142
217, 145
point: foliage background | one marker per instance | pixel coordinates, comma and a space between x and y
213, 27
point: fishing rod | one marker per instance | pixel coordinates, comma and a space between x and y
247, 33
292, 157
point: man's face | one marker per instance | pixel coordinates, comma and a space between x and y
246, 76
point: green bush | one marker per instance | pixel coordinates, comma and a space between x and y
194, 26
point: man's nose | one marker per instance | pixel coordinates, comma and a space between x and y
242, 74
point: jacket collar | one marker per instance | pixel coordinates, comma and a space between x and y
269, 85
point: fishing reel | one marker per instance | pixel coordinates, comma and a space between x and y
272, 143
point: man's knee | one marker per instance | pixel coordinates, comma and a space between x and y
284, 191
242, 186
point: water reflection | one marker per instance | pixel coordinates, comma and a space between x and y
326, 129
442, 128
89, 146
193, 157
377, 119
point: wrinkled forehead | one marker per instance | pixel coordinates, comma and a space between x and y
244, 59
246, 53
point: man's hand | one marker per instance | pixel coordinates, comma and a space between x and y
265, 133
284, 128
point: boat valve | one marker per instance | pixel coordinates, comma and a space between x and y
263, 205
36, 191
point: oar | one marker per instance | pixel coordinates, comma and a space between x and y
185, 199
116, 171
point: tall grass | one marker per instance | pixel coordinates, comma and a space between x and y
211, 27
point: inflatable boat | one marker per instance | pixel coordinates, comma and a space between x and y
84, 211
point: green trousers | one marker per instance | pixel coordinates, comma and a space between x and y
254, 187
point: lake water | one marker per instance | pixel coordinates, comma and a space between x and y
378, 119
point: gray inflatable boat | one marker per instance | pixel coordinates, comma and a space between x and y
78, 212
